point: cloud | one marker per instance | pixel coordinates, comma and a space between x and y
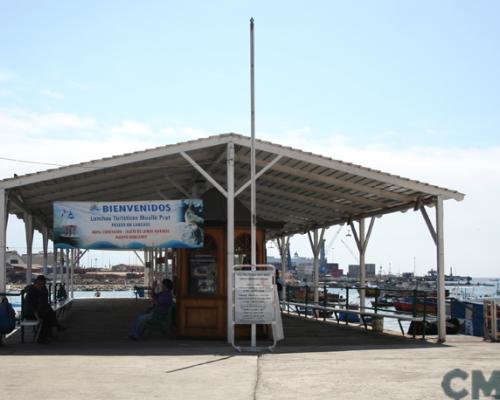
128, 126
51, 94
19, 123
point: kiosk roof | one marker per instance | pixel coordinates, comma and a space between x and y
300, 191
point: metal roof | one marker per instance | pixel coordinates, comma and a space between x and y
301, 191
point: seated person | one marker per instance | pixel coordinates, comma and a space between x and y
7, 318
61, 294
161, 303
36, 306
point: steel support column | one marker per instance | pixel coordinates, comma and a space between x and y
362, 265
440, 270
45, 244
3, 239
230, 240
315, 247
69, 255
28, 225
54, 267
283, 247
438, 237
75, 262
362, 240
147, 269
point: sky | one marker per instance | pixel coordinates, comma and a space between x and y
410, 88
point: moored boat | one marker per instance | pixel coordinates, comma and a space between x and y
429, 306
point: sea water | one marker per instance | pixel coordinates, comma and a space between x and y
83, 294
478, 289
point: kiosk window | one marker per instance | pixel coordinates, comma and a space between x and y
203, 269
242, 251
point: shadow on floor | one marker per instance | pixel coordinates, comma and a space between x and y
100, 327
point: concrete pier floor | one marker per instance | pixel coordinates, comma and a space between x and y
94, 359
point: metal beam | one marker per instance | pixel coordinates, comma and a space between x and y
367, 239
140, 259
116, 161
357, 170
428, 222
330, 180
176, 185
215, 165
258, 175
308, 200
204, 173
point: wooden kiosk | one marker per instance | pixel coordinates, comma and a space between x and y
201, 275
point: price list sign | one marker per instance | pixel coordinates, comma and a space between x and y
254, 295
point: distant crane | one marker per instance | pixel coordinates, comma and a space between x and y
332, 240
354, 255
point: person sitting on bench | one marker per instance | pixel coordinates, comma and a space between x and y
36, 306
161, 303
7, 318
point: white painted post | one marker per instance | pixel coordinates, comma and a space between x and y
230, 240
75, 264
315, 246
440, 271
3, 239
45, 244
54, 267
147, 271
28, 225
68, 266
284, 252
362, 266
316, 266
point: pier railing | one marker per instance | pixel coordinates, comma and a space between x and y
419, 304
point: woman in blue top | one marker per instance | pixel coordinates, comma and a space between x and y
162, 301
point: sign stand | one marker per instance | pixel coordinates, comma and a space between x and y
255, 302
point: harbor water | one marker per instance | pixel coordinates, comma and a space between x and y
478, 289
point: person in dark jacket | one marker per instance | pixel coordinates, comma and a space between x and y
7, 318
36, 306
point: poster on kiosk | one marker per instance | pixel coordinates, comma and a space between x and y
129, 225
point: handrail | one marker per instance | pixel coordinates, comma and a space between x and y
304, 294
5, 294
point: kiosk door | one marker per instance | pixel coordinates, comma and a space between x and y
201, 301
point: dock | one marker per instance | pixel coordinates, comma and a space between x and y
95, 359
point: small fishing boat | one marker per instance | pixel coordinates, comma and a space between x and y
385, 301
406, 304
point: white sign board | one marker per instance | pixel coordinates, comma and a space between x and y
254, 297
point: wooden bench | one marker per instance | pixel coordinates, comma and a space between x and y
163, 321
35, 324
362, 314
60, 309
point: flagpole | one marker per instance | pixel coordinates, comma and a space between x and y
252, 163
